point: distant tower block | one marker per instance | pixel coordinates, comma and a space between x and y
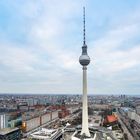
84, 61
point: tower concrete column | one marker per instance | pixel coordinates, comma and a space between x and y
85, 129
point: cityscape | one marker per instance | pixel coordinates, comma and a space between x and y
35, 117
67, 73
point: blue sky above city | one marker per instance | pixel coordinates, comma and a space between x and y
41, 40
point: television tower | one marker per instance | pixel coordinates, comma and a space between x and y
84, 61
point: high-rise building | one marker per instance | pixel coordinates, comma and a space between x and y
84, 61
2, 121
86, 131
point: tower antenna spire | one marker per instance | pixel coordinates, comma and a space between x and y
84, 28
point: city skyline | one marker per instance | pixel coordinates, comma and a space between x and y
40, 43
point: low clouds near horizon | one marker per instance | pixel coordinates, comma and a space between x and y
40, 44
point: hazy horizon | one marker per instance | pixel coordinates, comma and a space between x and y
89, 94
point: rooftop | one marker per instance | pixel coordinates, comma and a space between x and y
7, 130
97, 133
111, 118
44, 133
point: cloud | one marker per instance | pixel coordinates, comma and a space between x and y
112, 60
40, 64
110, 49
45, 58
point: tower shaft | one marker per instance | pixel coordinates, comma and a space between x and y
85, 129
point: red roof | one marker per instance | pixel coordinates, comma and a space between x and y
111, 118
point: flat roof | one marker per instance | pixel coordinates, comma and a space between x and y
7, 130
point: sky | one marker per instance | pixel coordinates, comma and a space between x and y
41, 40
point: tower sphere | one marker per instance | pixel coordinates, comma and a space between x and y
84, 58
